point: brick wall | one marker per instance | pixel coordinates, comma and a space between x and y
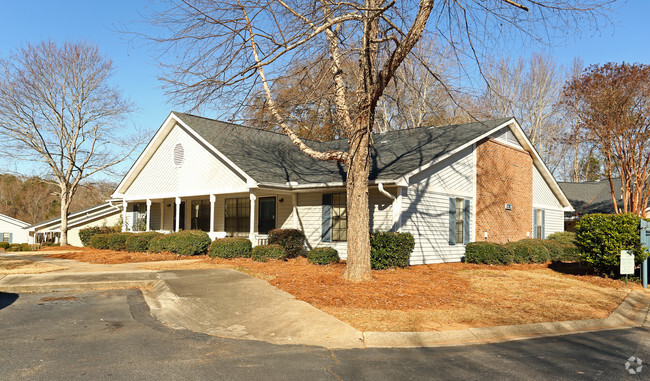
504, 175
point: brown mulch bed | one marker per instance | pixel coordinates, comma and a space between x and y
420, 298
90, 255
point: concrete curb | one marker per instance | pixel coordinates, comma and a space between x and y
164, 303
632, 312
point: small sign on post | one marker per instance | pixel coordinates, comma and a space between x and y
627, 263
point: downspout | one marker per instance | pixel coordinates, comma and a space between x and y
397, 206
384, 192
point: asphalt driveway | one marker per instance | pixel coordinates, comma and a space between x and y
110, 335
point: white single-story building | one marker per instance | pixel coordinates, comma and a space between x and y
446, 185
106, 214
13, 230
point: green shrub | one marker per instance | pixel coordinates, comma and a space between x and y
188, 242
323, 256
390, 249
139, 242
292, 240
563, 238
601, 237
86, 234
4, 245
262, 253
158, 244
99, 241
232, 247
529, 251
18, 247
488, 253
117, 241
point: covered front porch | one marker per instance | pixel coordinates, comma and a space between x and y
245, 214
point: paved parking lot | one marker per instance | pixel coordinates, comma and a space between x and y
110, 335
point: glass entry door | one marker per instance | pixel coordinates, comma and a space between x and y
266, 219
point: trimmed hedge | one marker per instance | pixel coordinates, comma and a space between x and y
488, 253
4, 245
188, 242
529, 251
323, 256
86, 234
158, 244
139, 242
263, 253
117, 241
18, 247
390, 249
601, 237
292, 240
232, 247
100, 241
563, 238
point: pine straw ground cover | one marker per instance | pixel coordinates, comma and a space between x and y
431, 297
90, 255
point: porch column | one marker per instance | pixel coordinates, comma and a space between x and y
213, 199
124, 206
178, 214
162, 214
294, 200
148, 215
252, 217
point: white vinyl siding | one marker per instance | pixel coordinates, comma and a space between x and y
15, 228
452, 175
310, 217
200, 172
425, 208
543, 198
506, 136
542, 194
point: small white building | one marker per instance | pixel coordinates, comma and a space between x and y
106, 214
447, 186
13, 230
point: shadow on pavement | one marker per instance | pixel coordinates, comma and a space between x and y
7, 299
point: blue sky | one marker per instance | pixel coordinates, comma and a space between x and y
97, 22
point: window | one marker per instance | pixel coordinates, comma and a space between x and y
460, 222
539, 232
237, 217
4, 237
339, 217
201, 215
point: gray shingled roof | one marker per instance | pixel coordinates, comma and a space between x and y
592, 196
269, 157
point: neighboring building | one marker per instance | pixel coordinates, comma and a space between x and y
13, 230
591, 197
446, 185
106, 214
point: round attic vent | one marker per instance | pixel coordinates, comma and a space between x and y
179, 155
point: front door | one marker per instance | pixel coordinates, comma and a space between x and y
266, 219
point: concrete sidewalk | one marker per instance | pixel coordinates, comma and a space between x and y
228, 303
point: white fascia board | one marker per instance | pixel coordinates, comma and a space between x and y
72, 215
14, 221
216, 151
543, 169
157, 196
79, 217
164, 128
405, 179
334, 184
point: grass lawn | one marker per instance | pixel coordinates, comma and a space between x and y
423, 298
20, 266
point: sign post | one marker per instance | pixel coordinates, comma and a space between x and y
627, 263
645, 240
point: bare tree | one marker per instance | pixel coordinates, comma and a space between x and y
58, 108
224, 49
530, 91
612, 102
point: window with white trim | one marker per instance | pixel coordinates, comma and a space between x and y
237, 216
339, 217
4, 237
460, 222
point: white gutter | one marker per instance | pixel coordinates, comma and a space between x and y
336, 184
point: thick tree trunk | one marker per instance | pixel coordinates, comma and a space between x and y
357, 268
65, 208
